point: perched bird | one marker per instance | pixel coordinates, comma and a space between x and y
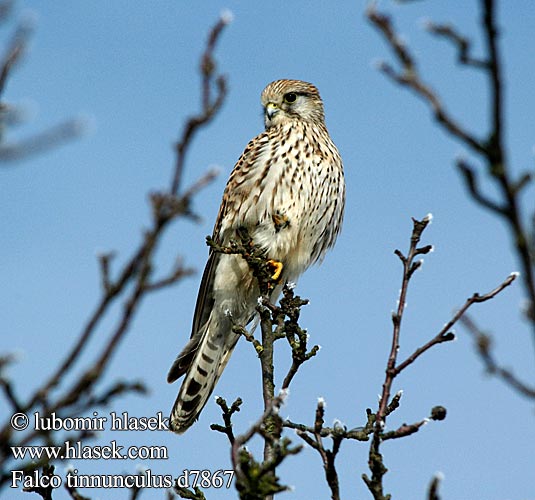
288, 191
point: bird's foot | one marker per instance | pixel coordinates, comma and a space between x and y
277, 268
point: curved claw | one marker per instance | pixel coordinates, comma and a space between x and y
277, 268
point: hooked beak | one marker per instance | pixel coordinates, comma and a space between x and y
270, 110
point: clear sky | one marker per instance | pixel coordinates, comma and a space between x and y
131, 67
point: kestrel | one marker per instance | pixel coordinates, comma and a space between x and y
288, 191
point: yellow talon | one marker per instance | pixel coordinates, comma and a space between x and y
277, 266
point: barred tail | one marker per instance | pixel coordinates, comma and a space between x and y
208, 353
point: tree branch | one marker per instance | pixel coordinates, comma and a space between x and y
460, 42
210, 104
491, 149
483, 344
445, 335
133, 282
409, 77
387, 404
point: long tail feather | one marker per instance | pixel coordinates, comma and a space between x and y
208, 356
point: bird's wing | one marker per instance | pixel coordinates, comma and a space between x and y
228, 220
247, 169
226, 223
205, 301
205, 298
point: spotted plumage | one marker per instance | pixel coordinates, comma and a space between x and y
288, 190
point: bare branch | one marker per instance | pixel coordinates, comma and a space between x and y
496, 158
210, 104
388, 405
227, 417
408, 270
258, 480
432, 493
445, 335
243, 439
45, 492
296, 336
491, 149
404, 430
470, 180
104, 261
463, 45
328, 456
176, 274
522, 182
358, 433
167, 206
74, 493
133, 282
410, 78
484, 349
16, 47
50, 138
9, 394
313, 436
195, 494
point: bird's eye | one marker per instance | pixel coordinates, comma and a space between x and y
290, 97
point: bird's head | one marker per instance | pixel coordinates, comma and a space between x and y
285, 100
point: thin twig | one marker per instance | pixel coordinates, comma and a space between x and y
404, 430
462, 43
258, 480
132, 284
409, 77
74, 493
210, 105
178, 273
445, 335
243, 439
432, 493
496, 156
227, 417
470, 179
387, 404
39, 143
328, 456
253, 478
408, 270
491, 149
484, 349
296, 336
16, 48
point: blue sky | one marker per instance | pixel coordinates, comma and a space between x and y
131, 69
